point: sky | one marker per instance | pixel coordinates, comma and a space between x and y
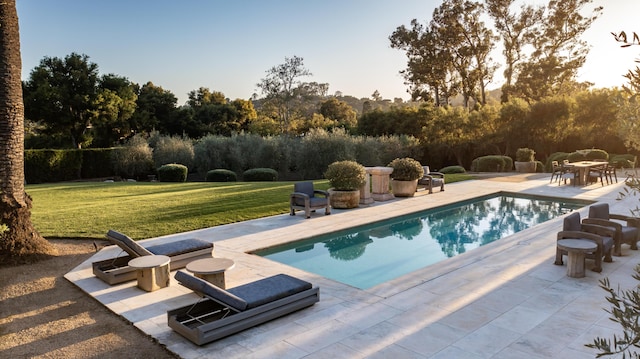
228, 45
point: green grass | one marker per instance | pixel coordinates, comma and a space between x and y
151, 209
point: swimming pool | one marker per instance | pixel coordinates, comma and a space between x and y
368, 255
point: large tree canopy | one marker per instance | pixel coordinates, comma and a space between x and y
287, 97
63, 94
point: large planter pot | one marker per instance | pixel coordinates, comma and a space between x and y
344, 199
404, 188
525, 167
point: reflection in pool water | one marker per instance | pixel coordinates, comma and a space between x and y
368, 255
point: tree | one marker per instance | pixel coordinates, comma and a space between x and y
280, 89
63, 94
458, 24
155, 110
558, 52
516, 31
19, 240
429, 71
628, 103
339, 111
116, 104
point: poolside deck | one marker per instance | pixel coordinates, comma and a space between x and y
502, 300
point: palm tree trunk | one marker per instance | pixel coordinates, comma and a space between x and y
19, 241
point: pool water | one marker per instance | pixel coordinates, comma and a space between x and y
368, 255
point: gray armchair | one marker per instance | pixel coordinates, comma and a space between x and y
431, 179
307, 199
603, 237
627, 228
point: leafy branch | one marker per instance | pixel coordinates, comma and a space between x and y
625, 310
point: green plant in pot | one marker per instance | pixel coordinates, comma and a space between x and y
525, 160
405, 175
346, 178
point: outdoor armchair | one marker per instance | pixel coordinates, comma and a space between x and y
601, 236
627, 227
431, 179
308, 199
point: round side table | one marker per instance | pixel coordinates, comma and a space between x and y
211, 269
576, 250
152, 271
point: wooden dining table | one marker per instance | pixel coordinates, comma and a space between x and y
583, 170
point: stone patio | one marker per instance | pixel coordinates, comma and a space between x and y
502, 300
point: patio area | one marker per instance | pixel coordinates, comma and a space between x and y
502, 300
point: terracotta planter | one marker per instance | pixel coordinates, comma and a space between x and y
525, 167
404, 188
344, 199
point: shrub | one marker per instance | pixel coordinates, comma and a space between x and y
134, 160
173, 149
623, 161
588, 155
221, 175
452, 169
492, 163
406, 169
346, 175
172, 173
52, 165
260, 175
525, 155
96, 162
539, 167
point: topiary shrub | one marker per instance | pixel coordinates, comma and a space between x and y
221, 175
346, 175
525, 155
260, 175
406, 169
172, 172
452, 169
492, 163
539, 167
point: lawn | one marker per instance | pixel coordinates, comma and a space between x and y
151, 209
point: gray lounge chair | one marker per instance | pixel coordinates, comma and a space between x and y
116, 270
601, 236
224, 312
304, 198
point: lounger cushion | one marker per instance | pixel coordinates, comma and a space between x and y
207, 289
179, 247
249, 295
127, 244
269, 289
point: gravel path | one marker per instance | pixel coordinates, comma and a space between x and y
42, 315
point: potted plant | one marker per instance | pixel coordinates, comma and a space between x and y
405, 175
525, 160
345, 178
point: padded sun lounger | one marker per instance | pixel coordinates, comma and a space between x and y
116, 270
224, 312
